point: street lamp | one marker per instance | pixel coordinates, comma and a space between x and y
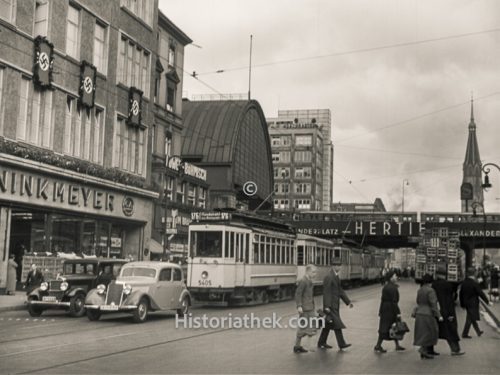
474, 213
405, 183
486, 170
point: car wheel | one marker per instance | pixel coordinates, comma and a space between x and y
34, 311
77, 305
184, 309
93, 315
141, 313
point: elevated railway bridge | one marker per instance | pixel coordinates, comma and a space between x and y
397, 229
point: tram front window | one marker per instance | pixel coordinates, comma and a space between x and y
206, 244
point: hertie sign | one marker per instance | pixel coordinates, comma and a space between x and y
135, 104
44, 62
87, 84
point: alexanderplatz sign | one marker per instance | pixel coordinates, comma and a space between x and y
392, 229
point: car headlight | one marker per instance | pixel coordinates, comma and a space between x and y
127, 289
44, 286
101, 288
64, 286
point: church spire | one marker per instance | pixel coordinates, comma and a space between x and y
472, 124
472, 152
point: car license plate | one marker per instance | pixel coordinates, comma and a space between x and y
204, 282
49, 299
109, 307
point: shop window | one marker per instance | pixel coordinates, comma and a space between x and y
35, 126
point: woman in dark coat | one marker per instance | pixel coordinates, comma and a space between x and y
389, 312
426, 313
448, 328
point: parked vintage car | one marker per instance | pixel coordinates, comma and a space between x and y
140, 288
68, 291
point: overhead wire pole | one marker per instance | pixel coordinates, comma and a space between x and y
250, 69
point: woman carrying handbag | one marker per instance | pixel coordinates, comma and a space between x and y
389, 312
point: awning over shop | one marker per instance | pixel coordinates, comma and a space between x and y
156, 248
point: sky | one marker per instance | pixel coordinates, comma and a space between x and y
397, 76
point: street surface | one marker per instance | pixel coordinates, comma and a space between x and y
58, 344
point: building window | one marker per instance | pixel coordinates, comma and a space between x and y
276, 156
83, 131
129, 148
35, 126
169, 187
303, 204
276, 141
304, 172
202, 197
171, 55
302, 156
191, 198
1, 97
282, 172
303, 140
285, 156
287, 140
157, 89
73, 33
133, 65
303, 188
100, 47
41, 17
180, 191
141, 8
171, 92
168, 147
8, 10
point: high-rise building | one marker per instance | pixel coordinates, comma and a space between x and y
471, 192
302, 159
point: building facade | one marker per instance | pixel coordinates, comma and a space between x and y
322, 118
297, 154
376, 206
471, 191
182, 186
76, 99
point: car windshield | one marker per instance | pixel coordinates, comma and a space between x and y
139, 271
206, 244
79, 269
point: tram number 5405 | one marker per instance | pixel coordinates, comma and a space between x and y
204, 283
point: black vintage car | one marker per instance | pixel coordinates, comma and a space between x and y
68, 291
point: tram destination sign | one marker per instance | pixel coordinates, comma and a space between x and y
210, 216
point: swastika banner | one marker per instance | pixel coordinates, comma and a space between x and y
135, 106
44, 62
87, 84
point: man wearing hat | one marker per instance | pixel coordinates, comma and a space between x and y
448, 328
470, 292
332, 293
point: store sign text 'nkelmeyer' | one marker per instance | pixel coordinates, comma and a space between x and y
41, 188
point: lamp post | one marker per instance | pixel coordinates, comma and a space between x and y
474, 213
405, 183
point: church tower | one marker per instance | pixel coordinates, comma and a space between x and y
471, 190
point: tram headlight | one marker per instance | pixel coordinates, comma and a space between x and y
64, 286
101, 288
127, 289
204, 275
44, 286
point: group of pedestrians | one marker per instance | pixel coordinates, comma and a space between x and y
434, 313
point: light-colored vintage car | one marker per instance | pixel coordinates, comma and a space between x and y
140, 288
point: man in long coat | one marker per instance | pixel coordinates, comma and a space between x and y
332, 294
304, 298
470, 292
34, 279
448, 328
